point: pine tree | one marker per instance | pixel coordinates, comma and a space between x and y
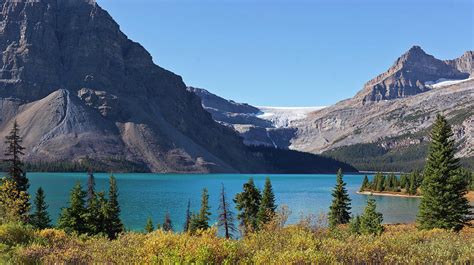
365, 184
90, 187
339, 211
40, 218
13, 158
167, 225
403, 181
149, 226
201, 220
371, 220
72, 218
267, 207
187, 221
248, 204
443, 204
226, 216
354, 225
412, 189
113, 224
379, 185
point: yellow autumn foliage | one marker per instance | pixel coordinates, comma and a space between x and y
296, 244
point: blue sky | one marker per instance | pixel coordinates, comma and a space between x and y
291, 52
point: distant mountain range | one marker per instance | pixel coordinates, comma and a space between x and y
384, 127
82, 92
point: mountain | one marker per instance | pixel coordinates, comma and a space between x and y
267, 126
409, 74
386, 125
82, 92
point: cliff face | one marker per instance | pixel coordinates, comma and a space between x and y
81, 89
409, 76
464, 63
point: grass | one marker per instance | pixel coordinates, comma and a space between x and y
304, 243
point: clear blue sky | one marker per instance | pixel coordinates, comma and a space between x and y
291, 52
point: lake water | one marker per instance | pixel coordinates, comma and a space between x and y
145, 195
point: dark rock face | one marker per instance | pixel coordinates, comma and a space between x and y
409, 74
96, 89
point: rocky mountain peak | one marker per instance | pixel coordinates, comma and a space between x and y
409, 74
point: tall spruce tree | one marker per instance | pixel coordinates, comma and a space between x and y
365, 184
13, 158
443, 204
226, 216
371, 220
113, 224
201, 220
90, 187
72, 218
187, 221
167, 224
339, 211
149, 226
268, 206
248, 205
40, 218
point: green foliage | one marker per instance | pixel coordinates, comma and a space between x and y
443, 204
40, 218
201, 220
72, 218
267, 206
149, 226
339, 211
354, 225
365, 184
248, 204
187, 221
13, 158
113, 224
371, 220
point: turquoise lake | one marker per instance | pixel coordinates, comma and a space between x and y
153, 195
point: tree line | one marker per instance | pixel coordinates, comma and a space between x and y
443, 204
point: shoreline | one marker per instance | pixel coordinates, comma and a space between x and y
469, 195
388, 194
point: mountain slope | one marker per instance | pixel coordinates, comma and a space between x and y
81, 89
376, 130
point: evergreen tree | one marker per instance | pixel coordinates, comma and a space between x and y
403, 181
113, 224
388, 185
13, 158
90, 188
371, 220
187, 221
226, 216
201, 220
40, 218
72, 218
248, 204
412, 189
354, 225
380, 182
167, 225
267, 207
365, 184
339, 211
149, 226
443, 204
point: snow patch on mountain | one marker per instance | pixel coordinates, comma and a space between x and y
281, 117
445, 82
